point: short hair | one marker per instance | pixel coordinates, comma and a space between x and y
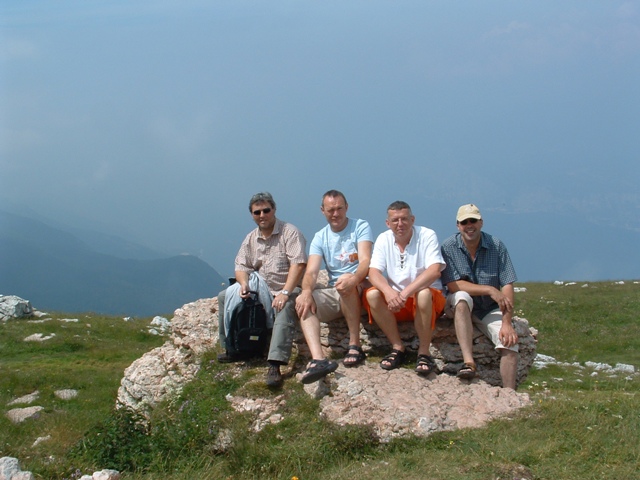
399, 205
334, 193
262, 197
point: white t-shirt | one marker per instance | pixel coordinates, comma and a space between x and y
402, 269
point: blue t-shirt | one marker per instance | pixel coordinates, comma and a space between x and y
339, 250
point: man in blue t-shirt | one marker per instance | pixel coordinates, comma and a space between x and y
344, 246
479, 276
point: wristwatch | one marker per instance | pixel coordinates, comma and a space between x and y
285, 292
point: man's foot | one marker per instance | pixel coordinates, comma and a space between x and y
318, 369
395, 359
227, 357
354, 357
425, 365
274, 377
467, 371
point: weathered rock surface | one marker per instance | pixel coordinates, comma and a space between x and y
400, 402
10, 470
12, 306
19, 415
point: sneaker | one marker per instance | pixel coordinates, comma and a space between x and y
274, 377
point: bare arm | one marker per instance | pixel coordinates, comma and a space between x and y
349, 281
503, 298
305, 304
422, 281
242, 278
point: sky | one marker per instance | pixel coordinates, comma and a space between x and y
157, 120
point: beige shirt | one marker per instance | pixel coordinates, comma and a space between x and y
272, 257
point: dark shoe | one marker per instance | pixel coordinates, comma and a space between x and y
227, 357
467, 371
354, 359
318, 369
425, 365
393, 360
274, 377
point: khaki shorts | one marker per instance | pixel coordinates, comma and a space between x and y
489, 325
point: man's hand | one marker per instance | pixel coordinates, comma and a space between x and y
244, 290
503, 301
508, 335
305, 305
346, 283
279, 301
395, 301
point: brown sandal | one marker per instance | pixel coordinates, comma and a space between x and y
467, 371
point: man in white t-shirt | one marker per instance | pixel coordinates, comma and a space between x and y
405, 274
344, 245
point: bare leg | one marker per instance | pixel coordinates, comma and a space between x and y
351, 307
422, 321
464, 330
384, 318
508, 368
311, 330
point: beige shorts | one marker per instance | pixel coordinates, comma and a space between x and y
328, 303
489, 325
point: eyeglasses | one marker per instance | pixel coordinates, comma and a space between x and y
468, 220
264, 210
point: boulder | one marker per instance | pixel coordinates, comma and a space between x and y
163, 371
14, 307
10, 470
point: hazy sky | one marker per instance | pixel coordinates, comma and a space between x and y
157, 120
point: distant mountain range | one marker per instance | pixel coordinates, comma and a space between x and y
84, 271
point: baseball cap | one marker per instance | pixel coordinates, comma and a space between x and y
468, 211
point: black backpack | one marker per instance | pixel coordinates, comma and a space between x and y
248, 333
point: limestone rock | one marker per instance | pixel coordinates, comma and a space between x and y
10, 470
30, 398
12, 306
66, 394
19, 415
399, 402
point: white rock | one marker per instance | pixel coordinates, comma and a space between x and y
18, 415
585, 285
624, 368
69, 320
30, 398
106, 475
39, 440
39, 337
558, 282
570, 283
66, 394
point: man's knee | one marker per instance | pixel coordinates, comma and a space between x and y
458, 303
374, 296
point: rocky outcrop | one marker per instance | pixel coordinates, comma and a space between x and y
14, 307
395, 403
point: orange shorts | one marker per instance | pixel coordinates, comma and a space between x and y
408, 312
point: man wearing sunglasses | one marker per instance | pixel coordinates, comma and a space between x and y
479, 276
276, 251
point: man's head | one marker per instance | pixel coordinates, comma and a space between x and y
469, 222
334, 207
263, 209
400, 220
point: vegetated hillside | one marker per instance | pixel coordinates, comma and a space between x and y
56, 271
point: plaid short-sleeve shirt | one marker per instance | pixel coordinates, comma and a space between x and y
272, 257
492, 266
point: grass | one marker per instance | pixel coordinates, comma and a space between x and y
582, 424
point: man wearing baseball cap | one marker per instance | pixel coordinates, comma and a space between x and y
479, 277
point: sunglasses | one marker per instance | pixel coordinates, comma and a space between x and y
468, 220
264, 210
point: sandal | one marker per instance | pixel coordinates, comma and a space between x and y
467, 371
393, 360
318, 369
354, 359
425, 365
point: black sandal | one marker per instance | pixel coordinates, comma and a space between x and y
394, 360
355, 359
318, 369
425, 361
